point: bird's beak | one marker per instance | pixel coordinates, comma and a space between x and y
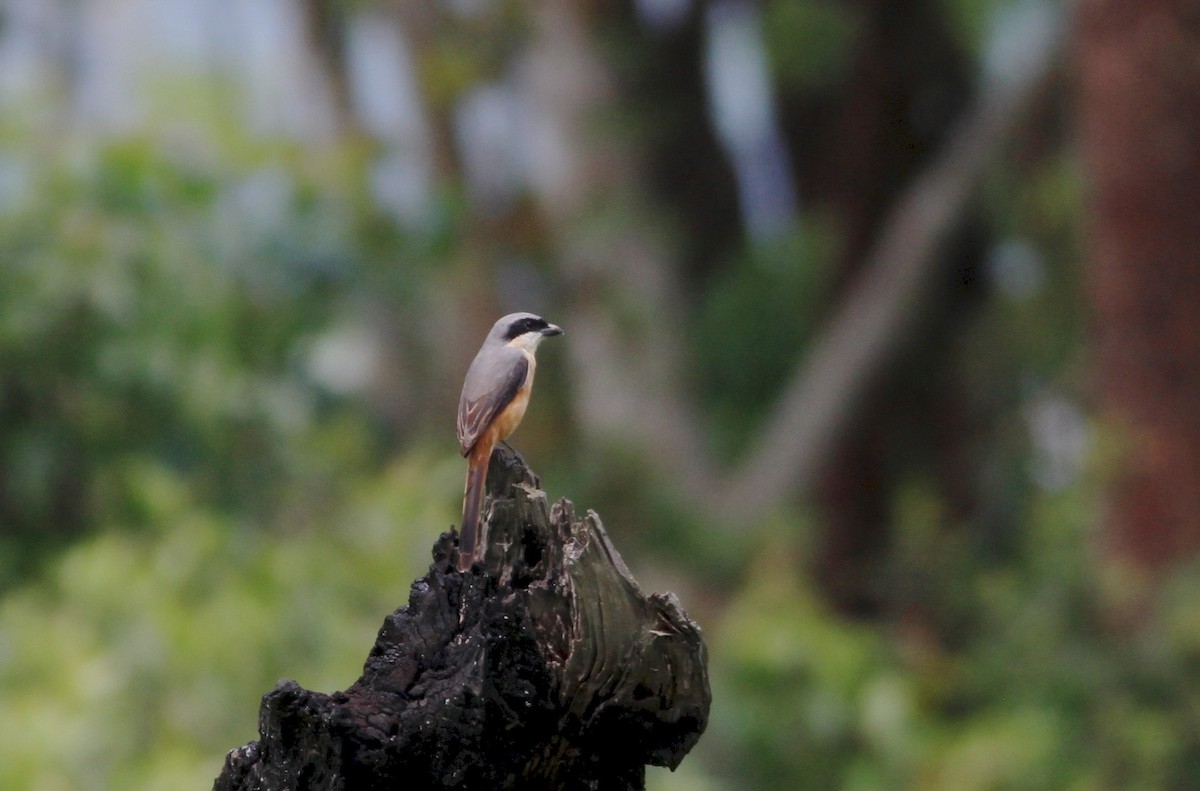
552, 329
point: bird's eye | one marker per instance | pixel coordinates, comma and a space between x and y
520, 327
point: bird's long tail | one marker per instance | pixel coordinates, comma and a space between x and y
477, 467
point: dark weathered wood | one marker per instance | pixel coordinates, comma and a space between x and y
544, 668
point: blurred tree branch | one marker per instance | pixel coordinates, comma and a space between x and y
877, 314
629, 369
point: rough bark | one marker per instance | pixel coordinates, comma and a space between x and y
545, 667
1139, 80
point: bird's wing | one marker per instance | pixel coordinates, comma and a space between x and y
491, 384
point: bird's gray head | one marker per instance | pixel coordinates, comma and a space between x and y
524, 330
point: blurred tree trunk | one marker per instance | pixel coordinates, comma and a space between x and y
324, 28
684, 166
425, 21
908, 85
1139, 110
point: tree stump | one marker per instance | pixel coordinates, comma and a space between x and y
545, 667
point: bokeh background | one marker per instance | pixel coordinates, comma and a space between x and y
882, 351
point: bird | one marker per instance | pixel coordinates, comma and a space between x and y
494, 398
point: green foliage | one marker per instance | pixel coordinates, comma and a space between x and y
187, 516
154, 306
1042, 689
774, 296
140, 659
801, 694
810, 42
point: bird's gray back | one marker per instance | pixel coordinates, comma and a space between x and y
495, 376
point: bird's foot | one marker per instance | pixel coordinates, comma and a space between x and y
513, 451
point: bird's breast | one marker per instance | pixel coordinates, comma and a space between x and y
510, 416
